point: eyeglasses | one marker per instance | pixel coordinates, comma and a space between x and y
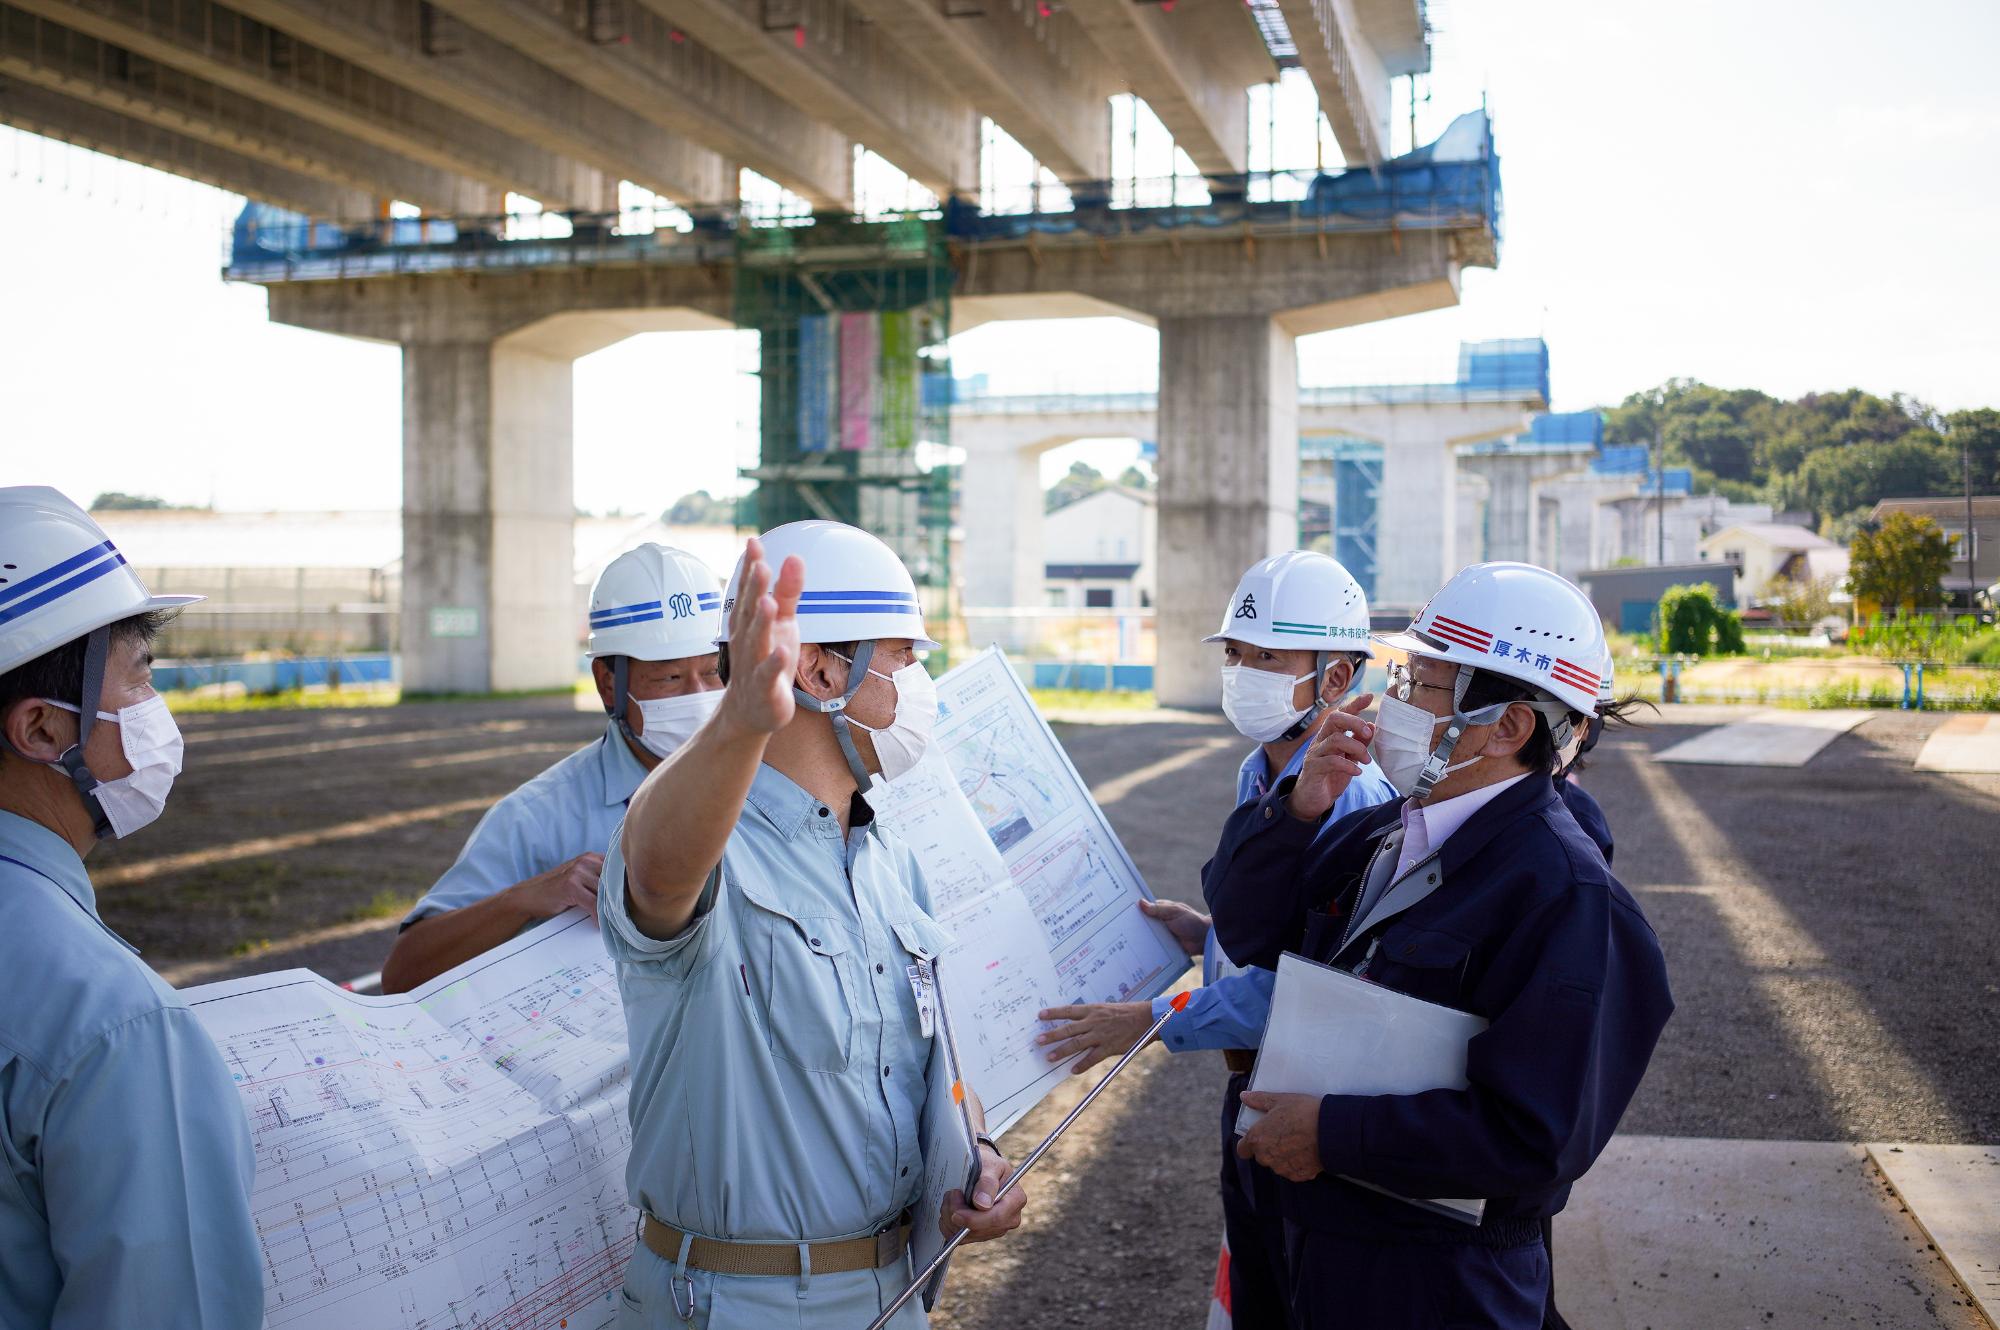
1402, 683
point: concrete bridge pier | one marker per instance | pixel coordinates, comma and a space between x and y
489, 602
487, 506
1229, 479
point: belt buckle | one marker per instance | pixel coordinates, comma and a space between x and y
888, 1245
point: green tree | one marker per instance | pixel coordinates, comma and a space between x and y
1857, 475
1900, 564
1693, 621
1135, 478
1800, 605
700, 509
115, 501
1979, 431
1082, 480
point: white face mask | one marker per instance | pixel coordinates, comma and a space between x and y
903, 742
1259, 703
671, 721
1403, 743
152, 744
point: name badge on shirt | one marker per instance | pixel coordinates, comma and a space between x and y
924, 984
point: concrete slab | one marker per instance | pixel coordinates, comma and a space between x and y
1953, 1192
1771, 737
1963, 743
1671, 1233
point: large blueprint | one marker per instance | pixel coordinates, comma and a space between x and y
448, 1158
1027, 873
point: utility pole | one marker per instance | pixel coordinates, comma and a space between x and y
1660, 488
1971, 552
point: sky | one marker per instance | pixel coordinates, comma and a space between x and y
1787, 195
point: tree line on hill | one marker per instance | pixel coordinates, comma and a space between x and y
1831, 454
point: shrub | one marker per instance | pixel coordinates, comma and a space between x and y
1694, 622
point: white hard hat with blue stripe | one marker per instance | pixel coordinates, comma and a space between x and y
856, 589
655, 603
61, 578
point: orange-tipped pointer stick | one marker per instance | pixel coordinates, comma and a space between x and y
1179, 1002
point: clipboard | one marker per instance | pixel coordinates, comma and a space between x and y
1332, 1032
950, 1146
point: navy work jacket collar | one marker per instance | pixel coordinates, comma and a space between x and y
1524, 798
49, 856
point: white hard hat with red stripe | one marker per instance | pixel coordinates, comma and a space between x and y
1517, 620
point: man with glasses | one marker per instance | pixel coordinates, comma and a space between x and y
1477, 891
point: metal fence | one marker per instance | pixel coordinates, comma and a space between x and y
1906, 685
292, 611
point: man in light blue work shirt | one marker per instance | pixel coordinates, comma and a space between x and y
773, 946
1294, 639
121, 1135
654, 617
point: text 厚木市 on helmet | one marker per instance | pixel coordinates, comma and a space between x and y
1520, 621
1300, 600
655, 603
61, 578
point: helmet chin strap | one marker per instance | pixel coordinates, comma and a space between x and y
1321, 661
834, 708
621, 696
1439, 764
95, 653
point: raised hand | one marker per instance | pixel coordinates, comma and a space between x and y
1335, 756
763, 643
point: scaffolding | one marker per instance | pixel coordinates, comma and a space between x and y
854, 425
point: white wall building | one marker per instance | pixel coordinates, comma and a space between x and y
1100, 551
1762, 550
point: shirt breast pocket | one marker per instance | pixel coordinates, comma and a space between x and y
805, 983
1424, 963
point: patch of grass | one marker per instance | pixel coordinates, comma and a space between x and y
383, 905
295, 699
251, 946
1092, 699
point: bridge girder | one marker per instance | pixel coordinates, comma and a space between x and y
79, 66
680, 85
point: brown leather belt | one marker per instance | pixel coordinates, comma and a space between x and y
1239, 1060
720, 1257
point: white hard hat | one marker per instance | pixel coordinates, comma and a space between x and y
856, 589
655, 603
1517, 620
1300, 600
61, 578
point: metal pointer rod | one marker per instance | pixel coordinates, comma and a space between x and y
1034, 1157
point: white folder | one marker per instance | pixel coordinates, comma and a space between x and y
1333, 1033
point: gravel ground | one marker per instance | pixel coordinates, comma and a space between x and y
1831, 931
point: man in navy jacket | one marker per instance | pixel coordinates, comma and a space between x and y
1477, 891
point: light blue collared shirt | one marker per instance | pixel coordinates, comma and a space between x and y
778, 1060
127, 1149
1233, 1003
571, 808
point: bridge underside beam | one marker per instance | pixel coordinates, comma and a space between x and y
410, 44
851, 77
1346, 72
679, 85
1191, 65
76, 65
1041, 78
55, 116
255, 61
